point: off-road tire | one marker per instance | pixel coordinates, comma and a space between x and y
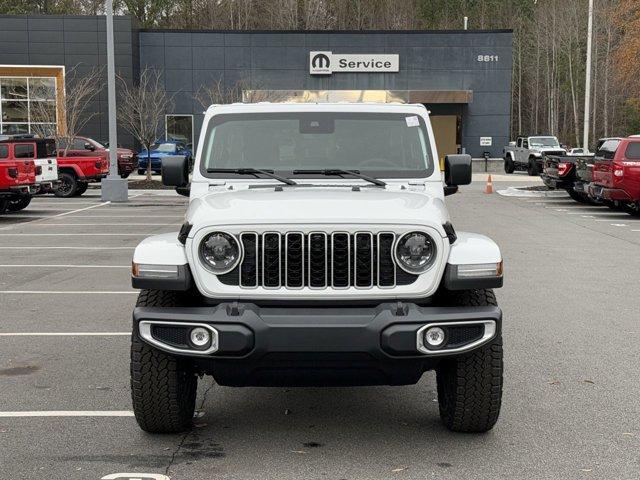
632, 208
509, 166
4, 204
67, 186
163, 387
82, 187
532, 167
578, 196
470, 386
18, 204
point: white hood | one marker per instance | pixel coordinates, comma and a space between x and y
307, 205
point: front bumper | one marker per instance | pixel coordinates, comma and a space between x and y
598, 191
317, 346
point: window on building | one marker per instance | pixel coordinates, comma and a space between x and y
180, 128
28, 105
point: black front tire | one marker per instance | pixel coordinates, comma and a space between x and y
163, 387
4, 204
532, 168
18, 204
578, 196
509, 166
470, 386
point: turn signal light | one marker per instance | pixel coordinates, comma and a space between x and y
480, 270
142, 270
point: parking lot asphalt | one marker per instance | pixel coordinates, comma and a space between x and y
571, 406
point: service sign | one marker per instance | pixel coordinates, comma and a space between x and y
486, 141
326, 63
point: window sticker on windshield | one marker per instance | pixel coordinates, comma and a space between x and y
412, 121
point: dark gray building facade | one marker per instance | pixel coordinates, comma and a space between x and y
463, 77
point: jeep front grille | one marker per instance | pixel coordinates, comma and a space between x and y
317, 260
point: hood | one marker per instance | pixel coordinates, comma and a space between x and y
549, 149
317, 205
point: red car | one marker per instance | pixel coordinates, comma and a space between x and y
88, 147
17, 179
616, 177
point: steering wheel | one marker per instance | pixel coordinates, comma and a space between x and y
381, 162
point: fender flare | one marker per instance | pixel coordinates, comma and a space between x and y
161, 249
71, 168
472, 249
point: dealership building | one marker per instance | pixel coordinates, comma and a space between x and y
462, 77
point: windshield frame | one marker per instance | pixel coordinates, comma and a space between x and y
532, 142
225, 117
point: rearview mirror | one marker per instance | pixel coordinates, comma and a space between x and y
175, 171
457, 170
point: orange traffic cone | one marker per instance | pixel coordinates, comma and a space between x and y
489, 186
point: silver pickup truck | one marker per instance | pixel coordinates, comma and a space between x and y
527, 153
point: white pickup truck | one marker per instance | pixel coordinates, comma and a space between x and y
527, 153
317, 250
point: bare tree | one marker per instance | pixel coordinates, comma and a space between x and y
142, 107
74, 106
217, 93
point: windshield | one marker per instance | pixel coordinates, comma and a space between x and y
376, 143
544, 142
163, 147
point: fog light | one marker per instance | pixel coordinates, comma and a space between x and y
434, 337
200, 337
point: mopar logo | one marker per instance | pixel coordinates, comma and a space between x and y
320, 63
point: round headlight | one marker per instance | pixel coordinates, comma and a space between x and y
220, 252
415, 252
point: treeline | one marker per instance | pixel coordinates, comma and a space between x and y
550, 38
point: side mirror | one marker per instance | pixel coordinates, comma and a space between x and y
88, 146
175, 171
457, 170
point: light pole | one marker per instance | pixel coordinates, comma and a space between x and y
587, 81
114, 188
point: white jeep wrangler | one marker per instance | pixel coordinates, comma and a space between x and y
317, 251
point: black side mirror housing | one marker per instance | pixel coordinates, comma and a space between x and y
457, 170
184, 191
175, 171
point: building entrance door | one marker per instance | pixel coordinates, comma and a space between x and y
445, 131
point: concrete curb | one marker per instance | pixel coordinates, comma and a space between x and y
517, 192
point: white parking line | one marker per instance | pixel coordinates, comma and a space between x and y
66, 334
65, 266
105, 224
608, 212
67, 248
95, 216
68, 413
73, 234
67, 292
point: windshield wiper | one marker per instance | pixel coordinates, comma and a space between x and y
340, 172
253, 171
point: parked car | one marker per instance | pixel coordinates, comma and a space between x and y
527, 153
40, 151
158, 151
616, 176
88, 147
17, 178
578, 151
560, 172
584, 168
339, 279
77, 172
